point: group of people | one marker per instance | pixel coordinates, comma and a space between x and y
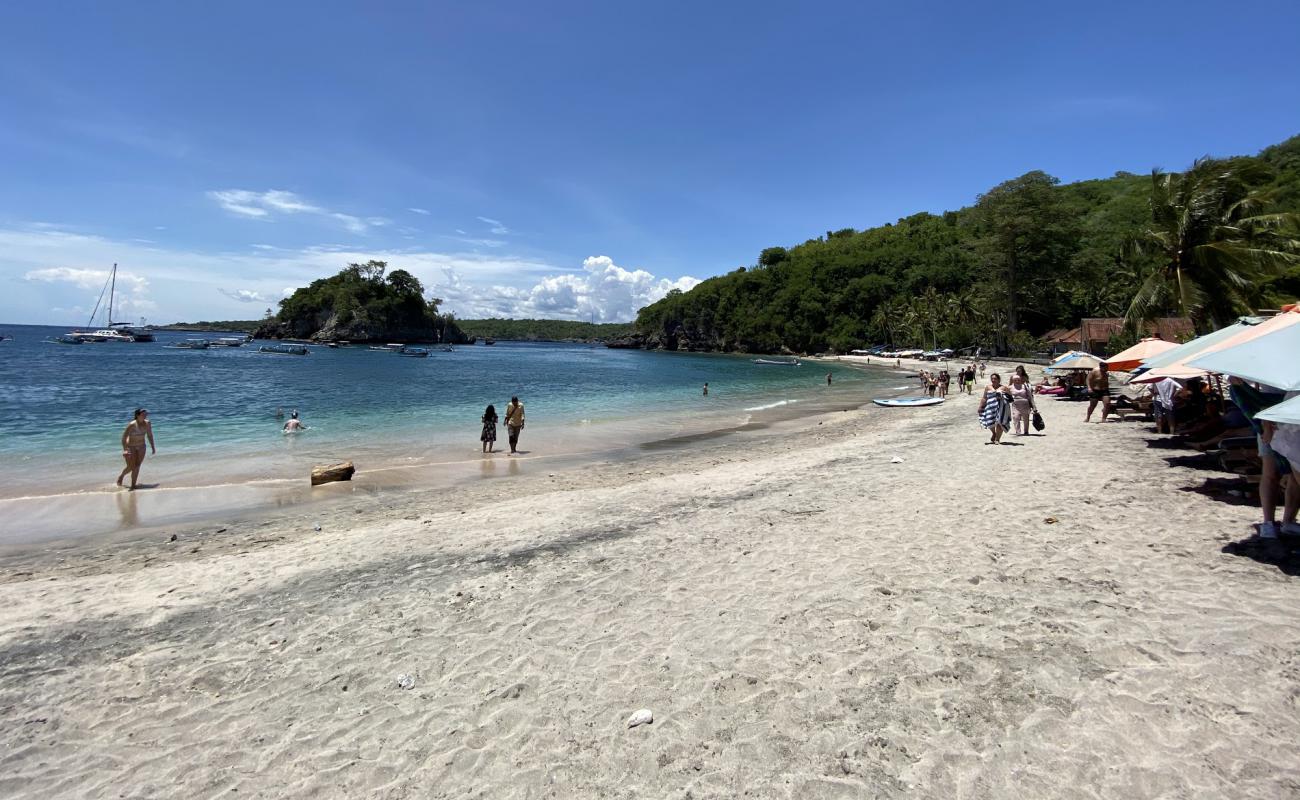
1008, 406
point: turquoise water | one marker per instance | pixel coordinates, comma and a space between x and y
66, 405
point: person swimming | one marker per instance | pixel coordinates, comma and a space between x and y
293, 424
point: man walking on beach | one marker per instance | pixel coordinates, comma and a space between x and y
1098, 392
514, 421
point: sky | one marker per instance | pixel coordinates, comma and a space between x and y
562, 159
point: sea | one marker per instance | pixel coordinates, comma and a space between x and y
217, 416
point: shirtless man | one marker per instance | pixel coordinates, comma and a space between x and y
294, 424
1098, 392
137, 431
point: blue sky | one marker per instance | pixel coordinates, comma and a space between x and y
568, 159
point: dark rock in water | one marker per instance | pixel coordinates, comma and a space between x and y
633, 341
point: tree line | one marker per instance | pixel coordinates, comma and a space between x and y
1216, 241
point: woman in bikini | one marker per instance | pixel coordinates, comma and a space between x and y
137, 431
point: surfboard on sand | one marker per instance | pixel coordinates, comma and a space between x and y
907, 402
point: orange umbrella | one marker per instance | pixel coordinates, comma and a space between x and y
1180, 369
1133, 357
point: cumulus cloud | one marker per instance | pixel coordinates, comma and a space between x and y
603, 291
268, 204
131, 290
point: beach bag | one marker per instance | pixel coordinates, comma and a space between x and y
1037, 421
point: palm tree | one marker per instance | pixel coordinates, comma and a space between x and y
1211, 244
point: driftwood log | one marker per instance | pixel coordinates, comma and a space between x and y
332, 472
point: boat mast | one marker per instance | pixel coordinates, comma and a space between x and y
113, 288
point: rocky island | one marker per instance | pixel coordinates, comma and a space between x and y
363, 303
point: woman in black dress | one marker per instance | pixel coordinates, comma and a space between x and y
489, 435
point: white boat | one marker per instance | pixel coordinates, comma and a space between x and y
774, 363
907, 402
414, 352
115, 331
102, 335
230, 341
393, 347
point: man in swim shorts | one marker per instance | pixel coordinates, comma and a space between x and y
514, 421
1098, 392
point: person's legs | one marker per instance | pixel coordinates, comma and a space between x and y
1267, 490
135, 467
1290, 502
129, 458
1092, 403
514, 438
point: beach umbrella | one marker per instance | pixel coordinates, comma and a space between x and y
1286, 411
1130, 359
1272, 359
1075, 360
1182, 370
1188, 349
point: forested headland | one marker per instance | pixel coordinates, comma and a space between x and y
1030, 255
544, 330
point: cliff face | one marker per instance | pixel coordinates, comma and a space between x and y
331, 328
679, 336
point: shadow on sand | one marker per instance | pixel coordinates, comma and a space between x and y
1283, 552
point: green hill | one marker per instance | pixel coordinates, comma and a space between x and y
1030, 255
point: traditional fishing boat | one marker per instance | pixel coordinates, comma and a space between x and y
284, 349
414, 352
190, 344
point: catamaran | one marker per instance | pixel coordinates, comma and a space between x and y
113, 331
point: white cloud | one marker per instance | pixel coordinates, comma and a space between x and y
177, 285
247, 296
131, 291
497, 226
424, 212
266, 205
603, 291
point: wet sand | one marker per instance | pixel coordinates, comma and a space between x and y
805, 616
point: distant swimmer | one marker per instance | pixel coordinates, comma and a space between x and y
828, 379
294, 425
706, 389
279, 413
137, 431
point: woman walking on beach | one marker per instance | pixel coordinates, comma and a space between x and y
137, 431
1022, 403
995, 408
489, 435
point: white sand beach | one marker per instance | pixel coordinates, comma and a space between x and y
804, 617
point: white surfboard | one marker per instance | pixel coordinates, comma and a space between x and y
908, 402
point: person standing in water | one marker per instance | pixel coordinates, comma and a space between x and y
137, 431
489, 435
706, 389
514, 422
828, 379
293, 424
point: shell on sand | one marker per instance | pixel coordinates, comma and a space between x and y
641, 717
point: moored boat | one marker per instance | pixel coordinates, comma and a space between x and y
414, 352
190, 344
774, 363
284, 349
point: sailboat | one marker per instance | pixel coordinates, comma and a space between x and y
114, 331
